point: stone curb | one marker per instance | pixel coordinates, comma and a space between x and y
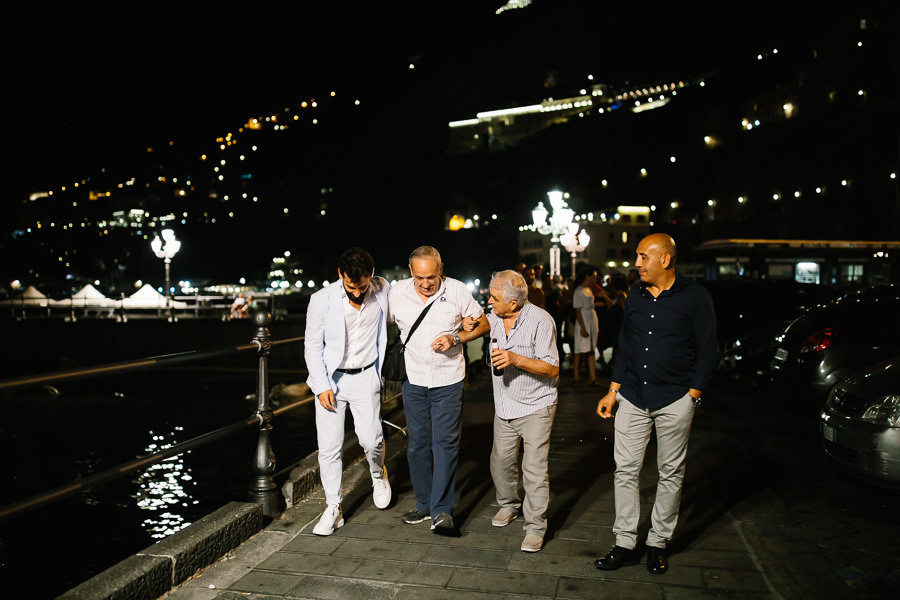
151, 573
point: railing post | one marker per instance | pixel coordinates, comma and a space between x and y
264, 491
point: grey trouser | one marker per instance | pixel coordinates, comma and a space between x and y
633, 425
534, 431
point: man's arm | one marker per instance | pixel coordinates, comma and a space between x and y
314, 351
446, 341
507, 358
545, 353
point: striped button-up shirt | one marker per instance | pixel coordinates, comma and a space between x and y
518, 393
424, 366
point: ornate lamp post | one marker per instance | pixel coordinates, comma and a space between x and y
166, 248
575, 243
557, 226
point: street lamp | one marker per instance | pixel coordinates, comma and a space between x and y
575, 243
558, 225
166, 248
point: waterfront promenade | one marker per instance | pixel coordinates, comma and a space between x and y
746, 529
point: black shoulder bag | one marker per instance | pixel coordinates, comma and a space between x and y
394, 367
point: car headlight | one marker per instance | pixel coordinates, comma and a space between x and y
884, 411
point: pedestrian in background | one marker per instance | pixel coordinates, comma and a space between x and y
587, 326
666, 357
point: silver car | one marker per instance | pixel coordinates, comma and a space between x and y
860, 424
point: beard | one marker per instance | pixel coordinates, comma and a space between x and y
355, 299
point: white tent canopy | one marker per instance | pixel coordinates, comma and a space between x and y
86, 296
30, 296
148, 297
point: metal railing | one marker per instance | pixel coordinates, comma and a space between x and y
263, 491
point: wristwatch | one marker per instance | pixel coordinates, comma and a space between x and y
455, 339
697, 399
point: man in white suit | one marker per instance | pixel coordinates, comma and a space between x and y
346, 337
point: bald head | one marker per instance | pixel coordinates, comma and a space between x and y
664, 242
656, 260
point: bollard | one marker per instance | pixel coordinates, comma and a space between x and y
264, 491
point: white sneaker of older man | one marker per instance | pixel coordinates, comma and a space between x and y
381, 489
332, 519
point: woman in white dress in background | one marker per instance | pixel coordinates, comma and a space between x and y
587, 325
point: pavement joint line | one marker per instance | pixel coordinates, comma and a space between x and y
762, 572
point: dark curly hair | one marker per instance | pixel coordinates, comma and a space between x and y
356, 263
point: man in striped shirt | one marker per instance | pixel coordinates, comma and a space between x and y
433, 390
524, 404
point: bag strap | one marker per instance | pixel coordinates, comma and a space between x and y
416, 324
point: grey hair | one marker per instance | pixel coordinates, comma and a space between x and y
512, 286
426, 252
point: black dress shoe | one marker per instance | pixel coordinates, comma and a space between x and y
618, 557
657, 560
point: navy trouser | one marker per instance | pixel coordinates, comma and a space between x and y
433, 424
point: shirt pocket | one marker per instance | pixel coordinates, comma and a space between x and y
448, 317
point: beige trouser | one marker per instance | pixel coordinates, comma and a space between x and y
534, 431
633, 426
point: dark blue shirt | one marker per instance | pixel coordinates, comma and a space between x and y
667, 344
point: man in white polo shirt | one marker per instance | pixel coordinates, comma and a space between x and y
346, 337
525, 395
435, 369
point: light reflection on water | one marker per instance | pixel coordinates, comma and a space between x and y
164, 488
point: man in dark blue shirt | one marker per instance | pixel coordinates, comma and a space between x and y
665, 358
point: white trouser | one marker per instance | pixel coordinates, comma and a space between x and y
361, 392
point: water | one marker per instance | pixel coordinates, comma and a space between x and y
50, 437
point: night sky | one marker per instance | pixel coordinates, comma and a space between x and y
85, 81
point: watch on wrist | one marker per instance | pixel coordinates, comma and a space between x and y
697, 399
455, 339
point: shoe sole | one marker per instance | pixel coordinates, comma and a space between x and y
624, 563
524, 549
415, 522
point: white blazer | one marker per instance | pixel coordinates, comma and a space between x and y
326, 333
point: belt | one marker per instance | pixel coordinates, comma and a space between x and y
355, 371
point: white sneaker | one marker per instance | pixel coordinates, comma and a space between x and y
332, 519
381, 490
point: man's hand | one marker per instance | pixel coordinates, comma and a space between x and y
326, 399
504, 358
442, 344
469, 323
606, 404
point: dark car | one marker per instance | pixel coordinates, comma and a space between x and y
860, 424
828, 343
749, 314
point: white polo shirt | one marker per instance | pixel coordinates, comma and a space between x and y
453, 301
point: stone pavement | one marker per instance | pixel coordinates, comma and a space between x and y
729, 543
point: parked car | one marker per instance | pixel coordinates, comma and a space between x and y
860, 424
749, 314
828, 343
